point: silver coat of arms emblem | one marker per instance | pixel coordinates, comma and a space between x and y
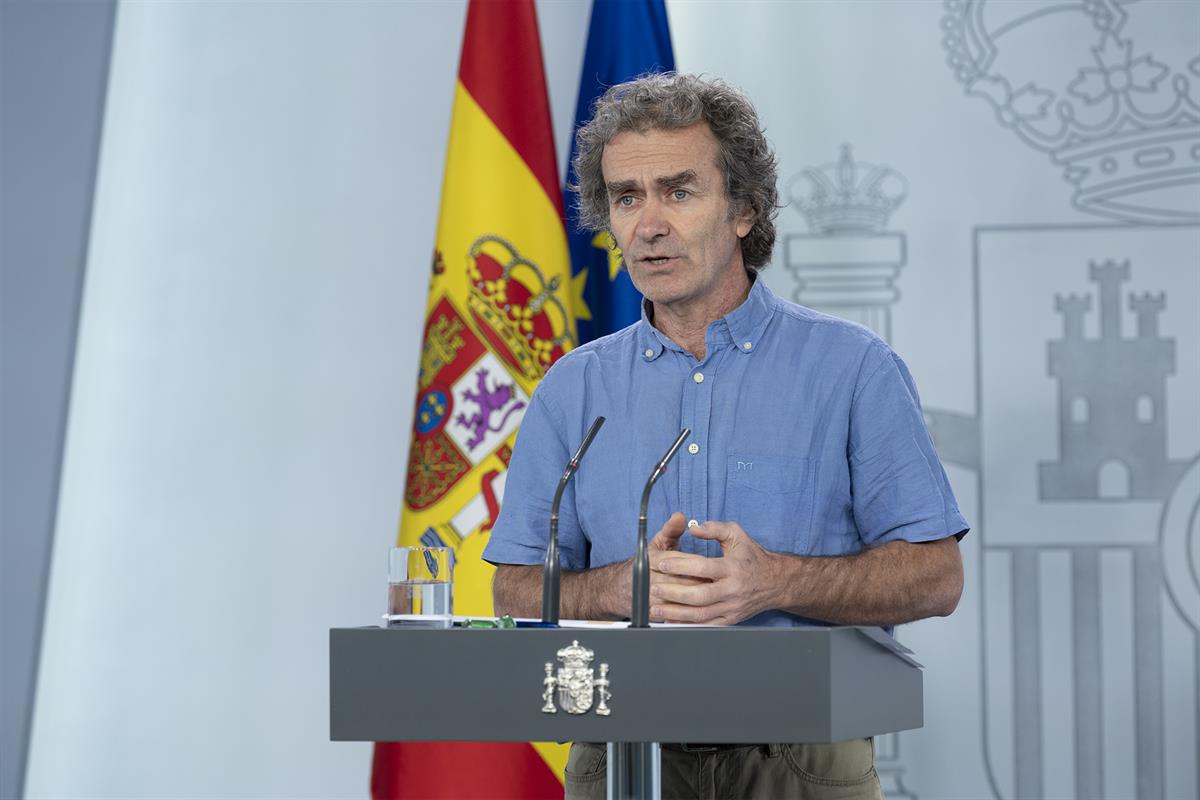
575, 686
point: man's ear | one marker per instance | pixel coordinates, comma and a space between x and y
745, 221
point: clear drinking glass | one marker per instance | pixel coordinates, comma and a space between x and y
420, 586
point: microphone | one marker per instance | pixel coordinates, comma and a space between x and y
641, 559
552, 571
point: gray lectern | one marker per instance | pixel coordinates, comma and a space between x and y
663, 685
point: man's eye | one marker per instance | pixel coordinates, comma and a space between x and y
680, 194
625, 200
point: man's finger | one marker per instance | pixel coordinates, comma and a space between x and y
704, 615
724, 532
702, 594
692, 565
669, 534
682, 580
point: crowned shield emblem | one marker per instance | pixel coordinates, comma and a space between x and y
575, 686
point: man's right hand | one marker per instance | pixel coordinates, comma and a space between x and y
666, 541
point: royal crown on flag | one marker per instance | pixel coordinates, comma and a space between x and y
1117, 107
848, 195
516, 307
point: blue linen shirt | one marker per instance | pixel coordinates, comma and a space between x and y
806, 430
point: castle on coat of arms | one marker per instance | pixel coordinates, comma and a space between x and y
1112, 398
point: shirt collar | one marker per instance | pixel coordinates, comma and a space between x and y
746, 323
743, 326
651, 341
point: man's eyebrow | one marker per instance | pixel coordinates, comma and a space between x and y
617, 188
688, 176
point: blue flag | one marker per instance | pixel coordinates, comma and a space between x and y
625, 39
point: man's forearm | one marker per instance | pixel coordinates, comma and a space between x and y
888, 585
601, 593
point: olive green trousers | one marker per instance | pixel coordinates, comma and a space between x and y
839, 771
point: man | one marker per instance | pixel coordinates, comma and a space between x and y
809, 491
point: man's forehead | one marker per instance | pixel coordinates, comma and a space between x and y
658, 154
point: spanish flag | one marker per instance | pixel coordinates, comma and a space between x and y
500, 312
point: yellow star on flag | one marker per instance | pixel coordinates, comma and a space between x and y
578, 284
604, 241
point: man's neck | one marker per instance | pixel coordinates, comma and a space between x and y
686, 324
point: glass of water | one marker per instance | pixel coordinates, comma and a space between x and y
420, 581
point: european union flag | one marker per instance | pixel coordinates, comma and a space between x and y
625, 39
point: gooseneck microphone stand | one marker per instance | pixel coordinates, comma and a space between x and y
635, 768
641, 559
552, 571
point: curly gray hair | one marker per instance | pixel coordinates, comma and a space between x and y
669, 101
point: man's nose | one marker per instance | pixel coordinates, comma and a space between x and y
652, 222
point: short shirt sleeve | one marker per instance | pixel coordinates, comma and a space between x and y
522, 528
900, 490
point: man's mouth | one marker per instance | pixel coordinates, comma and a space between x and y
655, 261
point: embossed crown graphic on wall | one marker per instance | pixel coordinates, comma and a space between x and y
848, 195
1117, 107
516, 307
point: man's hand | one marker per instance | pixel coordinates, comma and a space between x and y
717, 591
666, 544
601, 593
891, 584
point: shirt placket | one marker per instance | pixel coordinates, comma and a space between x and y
696, 414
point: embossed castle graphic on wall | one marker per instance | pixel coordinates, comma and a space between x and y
1112, 397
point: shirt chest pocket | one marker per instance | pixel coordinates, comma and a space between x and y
771, 497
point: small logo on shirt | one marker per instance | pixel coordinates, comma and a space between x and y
745, 466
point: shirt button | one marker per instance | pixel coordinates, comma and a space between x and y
692, 523
698, 377
649, 353
693, 448
747, 345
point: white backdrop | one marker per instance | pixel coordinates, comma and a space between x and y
269, 182
267, 197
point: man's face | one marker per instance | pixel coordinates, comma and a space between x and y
670, 216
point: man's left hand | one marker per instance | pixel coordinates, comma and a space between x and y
739, 585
